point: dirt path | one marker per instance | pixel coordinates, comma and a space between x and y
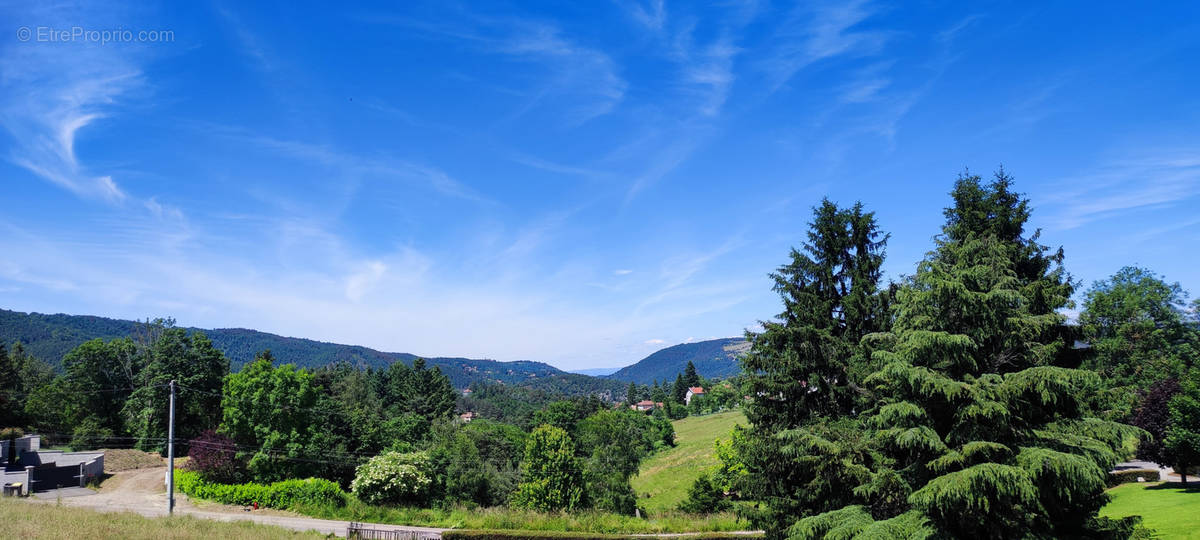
142, 491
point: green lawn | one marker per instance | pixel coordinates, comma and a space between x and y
666, 476
1172, 512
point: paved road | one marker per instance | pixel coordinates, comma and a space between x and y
141, 492
1166, 474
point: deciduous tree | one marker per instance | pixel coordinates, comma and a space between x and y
552, 476
198, 368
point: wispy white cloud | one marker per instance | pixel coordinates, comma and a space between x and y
354, 165
812, 33
952, 32
50, 98
712, 73
655, 341
622, 272
587, 78
1149, 180
577, 69
667, 158
652, 14
360, 282
250, 44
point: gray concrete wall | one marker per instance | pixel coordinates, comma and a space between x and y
38, 458
54, 466
28, 443
60, 458
92, 468
63, 459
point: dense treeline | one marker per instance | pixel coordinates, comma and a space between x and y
392, 436
957, 402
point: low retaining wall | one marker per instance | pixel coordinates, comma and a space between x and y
54, 468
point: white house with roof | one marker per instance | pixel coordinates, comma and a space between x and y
692, 391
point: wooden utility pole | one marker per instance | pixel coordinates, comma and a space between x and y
171, 455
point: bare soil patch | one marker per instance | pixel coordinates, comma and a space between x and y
124, 459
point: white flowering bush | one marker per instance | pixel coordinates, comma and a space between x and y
393, 478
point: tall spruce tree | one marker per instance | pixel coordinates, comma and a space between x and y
679, 390
976, 431
799, 369
690, 377
799, 366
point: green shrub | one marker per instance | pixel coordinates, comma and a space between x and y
11, 433
551, 477
461, 534
393, 478
705, 497
1131, 475
1194, 470
282, 495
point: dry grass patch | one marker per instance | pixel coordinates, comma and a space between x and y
124, 459
20, 519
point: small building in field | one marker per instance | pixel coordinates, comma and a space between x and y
467, 417
691, 392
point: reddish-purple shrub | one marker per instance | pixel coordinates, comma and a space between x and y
214, 456
1153, 415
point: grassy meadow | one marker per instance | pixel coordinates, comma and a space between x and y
1170, 510
504, 518
667, 475
21, 519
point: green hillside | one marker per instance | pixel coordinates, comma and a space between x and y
49, 337
715, 358
666, 476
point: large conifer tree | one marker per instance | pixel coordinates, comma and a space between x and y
977, 432
799, 365
800, 369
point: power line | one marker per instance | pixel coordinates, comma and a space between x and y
255, 402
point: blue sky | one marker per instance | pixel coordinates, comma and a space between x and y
576, 183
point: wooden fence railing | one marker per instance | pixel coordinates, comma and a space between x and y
362, 531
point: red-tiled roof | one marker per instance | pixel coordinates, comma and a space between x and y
697, 389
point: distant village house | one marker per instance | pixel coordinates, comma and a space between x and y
646, 405
693, 391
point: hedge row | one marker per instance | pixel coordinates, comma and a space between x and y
282, 495
1131, 475
467, 534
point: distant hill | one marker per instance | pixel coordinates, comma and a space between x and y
713, 359
49, 337
596, 372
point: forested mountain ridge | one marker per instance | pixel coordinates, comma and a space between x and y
50, 337
715, 358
